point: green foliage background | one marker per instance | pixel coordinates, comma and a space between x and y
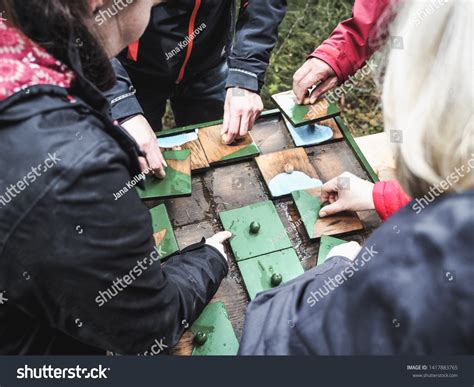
306, 25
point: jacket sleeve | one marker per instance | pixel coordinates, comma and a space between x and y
354, 40
99, 279
121, 97
256, 35
388, 198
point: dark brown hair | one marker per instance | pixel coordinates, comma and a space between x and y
60, 26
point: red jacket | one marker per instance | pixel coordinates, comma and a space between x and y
346, 50
354, 40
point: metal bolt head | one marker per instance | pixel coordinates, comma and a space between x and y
200, 338
254, 227
276, 280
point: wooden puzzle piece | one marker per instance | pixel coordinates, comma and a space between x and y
163, 234
217, 152
304, 114
308, 204
177, 181
314, 134
187, 141
266, 234
325, 246
213, 333
270, 270
287, 171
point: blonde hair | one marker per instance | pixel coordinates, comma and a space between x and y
428, 94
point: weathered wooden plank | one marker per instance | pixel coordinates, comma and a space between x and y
271, 135
233, 186
187, 210
330, 160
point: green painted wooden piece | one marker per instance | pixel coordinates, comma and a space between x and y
175, 184
300, 115
270, 237
259, 272
249, 150
308, 207
325, 246
163, 232
213, 333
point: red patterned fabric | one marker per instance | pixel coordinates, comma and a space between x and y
23, 63
388, 198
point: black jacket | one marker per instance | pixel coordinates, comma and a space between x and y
164, 46
409, 292
64, 240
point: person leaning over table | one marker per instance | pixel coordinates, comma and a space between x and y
209, 62
409, 290
79, 273
346, 50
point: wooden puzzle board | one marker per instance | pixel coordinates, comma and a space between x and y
239, 184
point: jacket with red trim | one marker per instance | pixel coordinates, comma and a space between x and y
188, 37
78, 269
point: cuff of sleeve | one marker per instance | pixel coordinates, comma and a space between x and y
379, 200
336, 59
125, 107
243, 79
201, 244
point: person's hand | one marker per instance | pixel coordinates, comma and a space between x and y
346, 193
217, 241
349, 250
241, 110
154, 162
313, 71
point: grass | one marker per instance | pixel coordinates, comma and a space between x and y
306, 24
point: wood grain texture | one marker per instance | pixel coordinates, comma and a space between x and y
273, 164
333, 125
271, 135
182, 166
234, 186
341, 223
330, 160
216, 151
198, 156
192, 209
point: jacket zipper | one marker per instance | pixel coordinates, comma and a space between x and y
189, 49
